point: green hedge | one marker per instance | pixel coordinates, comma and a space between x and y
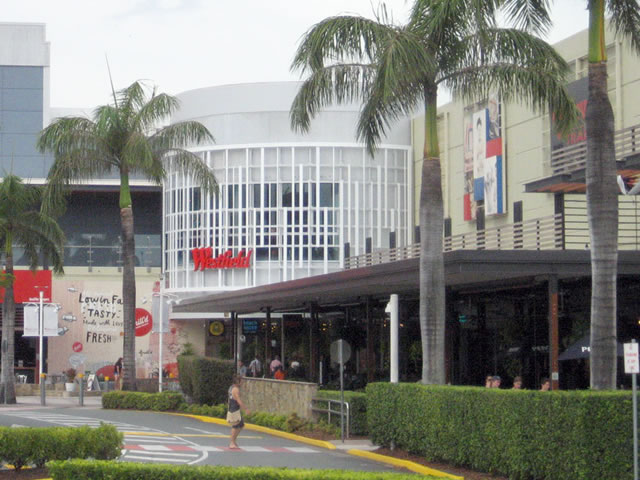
357, 405
36, 446
205, 380
142, 401
519, 433
76, 469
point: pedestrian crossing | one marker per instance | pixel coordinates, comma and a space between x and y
201, 448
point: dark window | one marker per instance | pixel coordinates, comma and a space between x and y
286, 195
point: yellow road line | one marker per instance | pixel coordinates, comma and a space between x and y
412, 466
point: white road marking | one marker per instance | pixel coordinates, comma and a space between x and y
159, 459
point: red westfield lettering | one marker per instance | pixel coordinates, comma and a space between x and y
203, 258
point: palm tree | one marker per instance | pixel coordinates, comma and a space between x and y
392, 68
602, 191
121, 138
23, 225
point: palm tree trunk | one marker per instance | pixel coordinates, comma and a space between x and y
432, 288
602, 208
128, 299
8, 390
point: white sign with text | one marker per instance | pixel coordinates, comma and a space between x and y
631, 364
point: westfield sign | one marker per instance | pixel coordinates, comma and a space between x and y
203, 259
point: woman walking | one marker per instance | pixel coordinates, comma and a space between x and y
235, 405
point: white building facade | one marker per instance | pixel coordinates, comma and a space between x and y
287, 202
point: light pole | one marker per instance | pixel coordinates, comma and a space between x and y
40, 329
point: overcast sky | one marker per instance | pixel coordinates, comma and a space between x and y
185, 44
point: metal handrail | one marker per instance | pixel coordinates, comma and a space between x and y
329, 411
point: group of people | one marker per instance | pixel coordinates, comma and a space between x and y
494, 381
276, 369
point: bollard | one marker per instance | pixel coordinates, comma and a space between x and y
81, 394
43, 395
106, 384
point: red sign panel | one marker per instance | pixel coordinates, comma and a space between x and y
203, 259
28, 285
144, 322
77, 347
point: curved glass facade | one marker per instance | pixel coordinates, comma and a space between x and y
293, 207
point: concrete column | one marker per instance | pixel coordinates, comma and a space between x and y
392, 309
553, 333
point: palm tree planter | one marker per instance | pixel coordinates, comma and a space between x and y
122, 138
23, 225
393, 68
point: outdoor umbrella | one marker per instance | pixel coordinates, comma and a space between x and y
581, 349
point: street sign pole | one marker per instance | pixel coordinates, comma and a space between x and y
632, 366
635, 427
341, 360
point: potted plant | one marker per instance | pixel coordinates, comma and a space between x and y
70, 385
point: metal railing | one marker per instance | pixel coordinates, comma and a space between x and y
315, 407
545, 233
574, 157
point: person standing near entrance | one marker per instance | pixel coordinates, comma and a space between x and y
255, 367
117, 372
275, 363
235, 404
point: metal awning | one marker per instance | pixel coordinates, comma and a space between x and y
463, 269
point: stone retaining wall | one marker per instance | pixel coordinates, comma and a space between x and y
278, 396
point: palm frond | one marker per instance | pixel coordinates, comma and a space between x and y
136, 154
625, 16
403, 67
333, 84
504, 45
529, 15
342, 39
191, 164
38, 233
154, 111
181, 135
132, 98
533, 87
441, 22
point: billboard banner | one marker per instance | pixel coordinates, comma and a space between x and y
484, 172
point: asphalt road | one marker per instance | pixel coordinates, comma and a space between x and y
163, 438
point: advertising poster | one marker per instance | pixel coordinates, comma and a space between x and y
484, 172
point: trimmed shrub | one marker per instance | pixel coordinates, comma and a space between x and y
216, 411
75, 469
36, 446
358, 410
205, 380
522, 434
142, 401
